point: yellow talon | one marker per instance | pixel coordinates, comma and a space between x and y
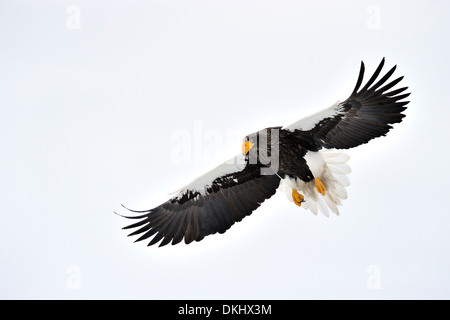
320, 187
297, 197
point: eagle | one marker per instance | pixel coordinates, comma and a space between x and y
302, 159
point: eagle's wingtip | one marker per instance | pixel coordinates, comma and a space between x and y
120, 215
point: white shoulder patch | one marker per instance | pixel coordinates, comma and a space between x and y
310, 122
201, 183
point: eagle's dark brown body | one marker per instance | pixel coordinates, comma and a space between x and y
283, 147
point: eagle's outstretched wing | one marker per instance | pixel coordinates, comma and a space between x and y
367, 114
211, 203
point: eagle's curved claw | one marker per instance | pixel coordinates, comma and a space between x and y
297, 197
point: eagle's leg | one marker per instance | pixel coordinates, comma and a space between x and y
319, 186
297, 197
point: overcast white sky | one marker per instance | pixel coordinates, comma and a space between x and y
93, 95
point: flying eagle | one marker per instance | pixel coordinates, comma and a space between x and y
292, 157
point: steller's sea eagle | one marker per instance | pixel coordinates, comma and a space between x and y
292, 157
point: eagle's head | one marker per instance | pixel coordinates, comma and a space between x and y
260, 143
248, 143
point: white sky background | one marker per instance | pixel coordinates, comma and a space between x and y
89, 116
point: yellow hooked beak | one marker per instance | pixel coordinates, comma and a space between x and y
246, 146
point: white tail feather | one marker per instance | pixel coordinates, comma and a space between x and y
343, 180
343, 168
333, 207
335, 157
323, 207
